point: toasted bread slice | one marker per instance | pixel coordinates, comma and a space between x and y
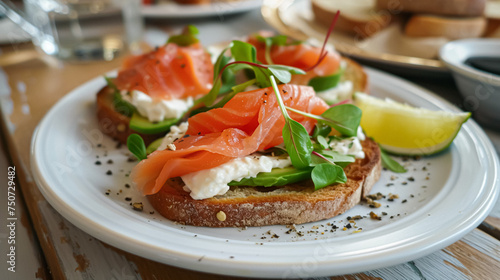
115, 124
259, 206
453, 28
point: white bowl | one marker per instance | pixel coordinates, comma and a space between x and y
480, 89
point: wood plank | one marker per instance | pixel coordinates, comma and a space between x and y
476, 256
491, 224
29, 262
33, 87
80, 255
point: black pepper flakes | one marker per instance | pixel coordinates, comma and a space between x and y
110, 161
128, 199
98, 162
109, 172
404, 201
131, 159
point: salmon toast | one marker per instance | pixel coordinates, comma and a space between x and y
154, 90
265, 150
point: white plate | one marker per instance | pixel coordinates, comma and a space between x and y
172, 10
447, 195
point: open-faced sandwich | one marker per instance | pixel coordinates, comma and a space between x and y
261, 146
153, 91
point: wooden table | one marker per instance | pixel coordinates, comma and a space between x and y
48, 246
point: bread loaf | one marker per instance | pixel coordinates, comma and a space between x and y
448, 27
437, 7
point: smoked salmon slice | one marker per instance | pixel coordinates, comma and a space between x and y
168, 72
251, 121
302, 56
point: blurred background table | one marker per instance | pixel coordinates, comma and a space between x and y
50, 247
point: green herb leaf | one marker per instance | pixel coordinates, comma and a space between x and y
339, 159
327, 82
322, 141
344, 118
209, 98
326, 174
295, 136
221, 61
243, 51
110, 83
390, 163
297, 144
292, 70
321, 129
187, 38
136, 146
284, 73
228, 77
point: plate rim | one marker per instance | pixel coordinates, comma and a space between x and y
155, 11
241, 268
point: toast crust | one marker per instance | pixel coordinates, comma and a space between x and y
115, 124
355, 73
259, 206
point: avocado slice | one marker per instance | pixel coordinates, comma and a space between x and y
277, 177
143, 125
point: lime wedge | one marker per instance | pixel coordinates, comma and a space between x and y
406, 130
